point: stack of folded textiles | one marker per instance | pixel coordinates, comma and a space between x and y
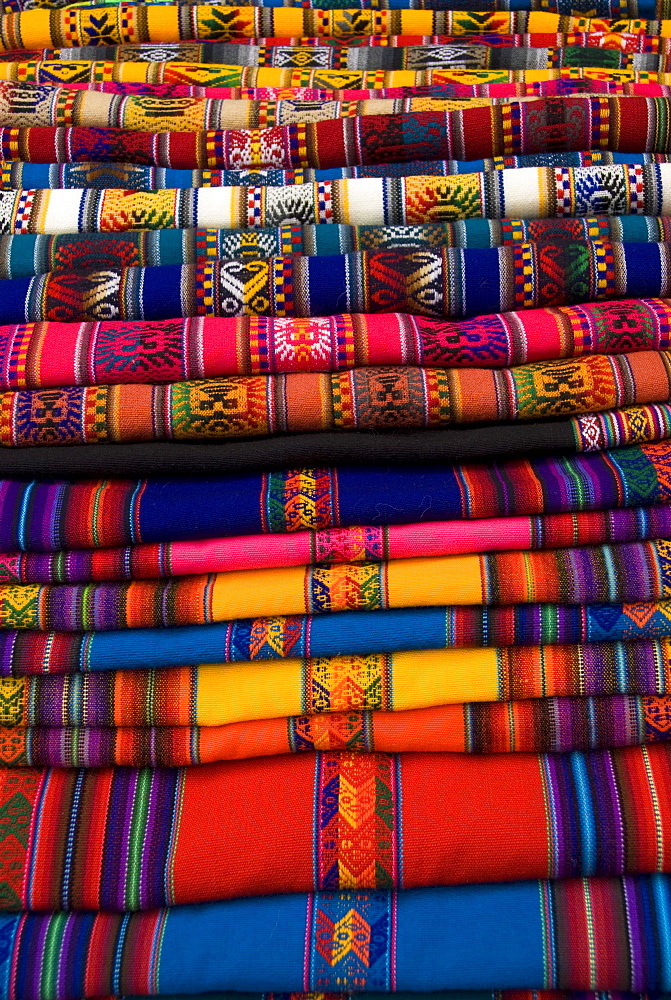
335, 499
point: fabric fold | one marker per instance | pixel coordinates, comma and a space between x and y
331, 821
53, 355
634, 571
335, 545
49, 516
362, 633
448, 282
544, 725
524, 193
220, 694
414, 940
616, 123
366, 398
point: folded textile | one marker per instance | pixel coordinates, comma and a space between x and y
176, 22
609, 8
219, 694
135, 177
616, 123
46, 517
360, 632
23, 104
434, 282
629, 571
335, 545
525, 193
376, 398
210, 81
543, 725
457, 53
52, 354
532, 934
25, 255
592, 432
295, 48
520, 934
330, 821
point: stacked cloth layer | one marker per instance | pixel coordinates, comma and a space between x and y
335, 500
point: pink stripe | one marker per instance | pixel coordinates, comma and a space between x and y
436, 538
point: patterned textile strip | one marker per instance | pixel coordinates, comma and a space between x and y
128, 23
133, 177
628, 571
558, 933
630, 8
546, 725
361, 632
219, 694
137, 838
27, 256
445, 282
29, 104
616, 123
462, 83
46, 355
462, 54
335, 545
46, 517
213, 81
525, 193
216, 52
383, 398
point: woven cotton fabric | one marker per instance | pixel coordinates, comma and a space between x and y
52, 516
627, 572
449, 282
216, 695
335, 545
29, 652
181, 946
368, 399
543, 725
53, 355
306, 801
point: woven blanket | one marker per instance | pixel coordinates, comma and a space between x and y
628, 571
461, 83
405, 52
365, 398
215, 81
464, 54
614, 123
632, 8
27, 256
530, 934
29, 104
361, 449
434, 282
51, 516
134, 177
544, 725
25, 653
215, 695
320, 825
525, 193
47, 355
165, 23
335, 545
218, 52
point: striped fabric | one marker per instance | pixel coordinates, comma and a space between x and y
543, 725
216, 695
135, 839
